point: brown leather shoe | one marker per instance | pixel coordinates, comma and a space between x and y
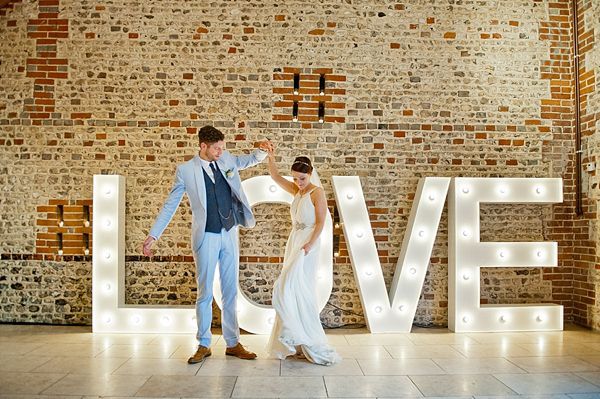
200, 354
241, 352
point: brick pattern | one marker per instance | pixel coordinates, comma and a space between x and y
300, 90
46, 67
66, 228
586, 244
484, 89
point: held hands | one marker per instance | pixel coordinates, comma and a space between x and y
146, 247
265, 145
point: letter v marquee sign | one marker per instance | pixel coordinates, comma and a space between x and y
393, 312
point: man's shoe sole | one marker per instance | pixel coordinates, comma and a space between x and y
243, 358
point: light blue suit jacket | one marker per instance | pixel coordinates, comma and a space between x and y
189, 179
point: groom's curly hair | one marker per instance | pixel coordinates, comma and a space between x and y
210, 135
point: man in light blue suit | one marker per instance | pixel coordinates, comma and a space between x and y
212, 183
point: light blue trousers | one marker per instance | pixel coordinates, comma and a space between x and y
218, 249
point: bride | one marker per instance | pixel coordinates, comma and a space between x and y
297, 329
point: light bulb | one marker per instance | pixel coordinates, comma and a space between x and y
108, 191
60, 252
431, 197
295, 119
107, 254
465, 190
350, 196
503, 319
271, 321
465, 233
378, 309
107, 319
369, 272
86, 223
295, 92
336, 254
320, 120
360, 234
272, 188
503, 190
86, 252
322, 93
539, 253
539, 318
413, 270
421, 233
465, 319
466, 276
336, 226
61, 223
107, 223
539, 190
401, 308
107, 287
502, 253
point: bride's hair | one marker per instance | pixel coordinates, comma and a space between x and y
302, 165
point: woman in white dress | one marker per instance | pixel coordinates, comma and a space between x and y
297, 330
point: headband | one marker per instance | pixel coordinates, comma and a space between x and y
303, 163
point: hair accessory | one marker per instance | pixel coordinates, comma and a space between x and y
303, 163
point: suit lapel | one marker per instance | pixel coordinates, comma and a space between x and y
199, 178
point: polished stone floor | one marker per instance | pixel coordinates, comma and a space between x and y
71, 362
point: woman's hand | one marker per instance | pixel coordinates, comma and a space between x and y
307, 247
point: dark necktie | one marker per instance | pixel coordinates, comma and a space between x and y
214, 170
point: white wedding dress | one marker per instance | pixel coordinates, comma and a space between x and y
295, 297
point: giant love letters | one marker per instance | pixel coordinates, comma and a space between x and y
384, 312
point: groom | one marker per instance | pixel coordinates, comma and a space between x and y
212, 183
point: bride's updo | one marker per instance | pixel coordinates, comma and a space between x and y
302, 165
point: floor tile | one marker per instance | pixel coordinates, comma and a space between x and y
68, 350
423, 352
478, 366
16, 348
296, 367
547, 383
137, 366
491, 350
559, 349
555, 364
557, 396
457, 385
80, 365
187, 386
97, 384
156, 351
237, 367
370, 386
441, 339
399, 367
363, 352
279, 387
27, 383
593, 377
378, 339
21, 363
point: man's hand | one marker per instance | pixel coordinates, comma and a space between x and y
146, 248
